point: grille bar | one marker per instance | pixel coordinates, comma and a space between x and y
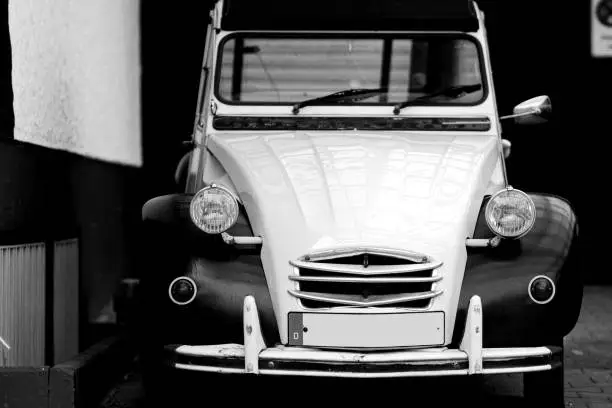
369, 270
365, 277
358, 300
345, 279
339, 253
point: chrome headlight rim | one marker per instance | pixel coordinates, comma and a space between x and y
194, 202
531, 205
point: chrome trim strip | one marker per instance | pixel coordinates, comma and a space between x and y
233, 240
212, 369
365, 375
515, 370
391, 357
304, 373
327, 254
356, 300
510, 353
483, 242
310, 354
217, 350
467, 122
398, 374
370, 270
362, 280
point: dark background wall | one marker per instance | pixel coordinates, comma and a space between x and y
172, 46
537, 48
543, 47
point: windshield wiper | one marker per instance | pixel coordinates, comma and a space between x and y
338, 96
451, 91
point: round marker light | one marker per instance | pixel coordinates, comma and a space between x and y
510, 213
214, 209
182, 290
541, 289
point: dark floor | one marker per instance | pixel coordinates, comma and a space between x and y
588, 378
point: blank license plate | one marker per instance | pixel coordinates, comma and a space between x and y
366, 330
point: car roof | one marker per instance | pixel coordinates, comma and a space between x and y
350, 15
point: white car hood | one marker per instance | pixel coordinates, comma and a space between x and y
313, 190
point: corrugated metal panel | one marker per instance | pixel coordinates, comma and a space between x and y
22, 304
66, 300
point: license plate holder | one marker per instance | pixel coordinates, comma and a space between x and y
359, 330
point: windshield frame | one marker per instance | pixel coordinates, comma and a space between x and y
350, 35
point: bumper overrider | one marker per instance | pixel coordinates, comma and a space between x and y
254, 357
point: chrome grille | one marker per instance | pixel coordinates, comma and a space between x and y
365, 277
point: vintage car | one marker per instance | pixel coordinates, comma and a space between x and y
344, 209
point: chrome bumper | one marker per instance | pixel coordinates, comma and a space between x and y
470, 358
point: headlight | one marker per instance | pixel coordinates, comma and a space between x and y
214, 209
510, 213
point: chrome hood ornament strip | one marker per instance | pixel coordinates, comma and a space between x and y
371, 301
343, 279
366, 270
345, 252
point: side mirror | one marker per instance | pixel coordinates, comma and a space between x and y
532, 111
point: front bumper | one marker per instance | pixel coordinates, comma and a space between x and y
470, 358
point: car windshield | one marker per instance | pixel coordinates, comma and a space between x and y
272, 69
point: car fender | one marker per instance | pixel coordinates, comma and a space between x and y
223, 274
501, 277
